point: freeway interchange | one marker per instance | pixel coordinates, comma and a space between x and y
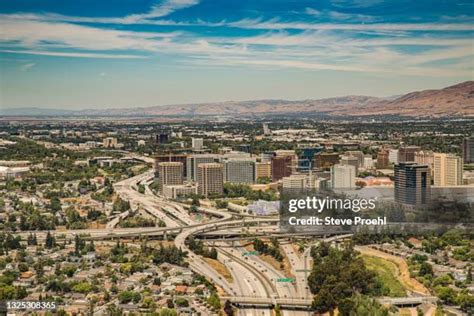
255, 285
255, 281
251, 277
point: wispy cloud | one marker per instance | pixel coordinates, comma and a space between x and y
277, 24
311, 45
340, 16
159, 10
71, 54
33, 33
26, 67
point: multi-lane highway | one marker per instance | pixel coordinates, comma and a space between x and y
251, 276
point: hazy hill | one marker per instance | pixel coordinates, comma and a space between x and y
457, 100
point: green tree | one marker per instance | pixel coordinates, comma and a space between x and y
446, 294
55, 204
425, 269
336, 275
50, 241
168, 312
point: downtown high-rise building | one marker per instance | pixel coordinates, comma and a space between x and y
425, 157
357, 154
281, 167
369, 162
352, 161
210, 179
267, 156
343, 176
162, 138
326, 160
170, 158
263, 170
412, 184
109, 142
193, 161
393, 156
197, 143
239, 170
266, 129
299, 182
468, 149
407, 153
170, 173
382, 159
448, 169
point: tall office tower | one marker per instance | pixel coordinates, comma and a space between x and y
288, 153
326, 160
306, 158
468, 149
170, 158
193, 161
197, 143
239, 170
266, 129
343, 176
171, 173
382, 159
412, 184
369, 162
447, 169
393, 156
162, 138
267, 156
263, 170
281, 167
210, 178
109, 142
407, 153
358, 154
352, 161
425, 157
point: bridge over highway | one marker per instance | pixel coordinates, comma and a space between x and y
305, 304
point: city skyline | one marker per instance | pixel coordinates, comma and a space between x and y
146, 53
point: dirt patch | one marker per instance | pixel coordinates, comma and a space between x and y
220, 268
404, 275
274, 263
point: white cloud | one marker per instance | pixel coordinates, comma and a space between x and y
340, 16
276, 24
163, 9
70, 54
33, 33
320, 46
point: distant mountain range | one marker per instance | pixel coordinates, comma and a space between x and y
453, 101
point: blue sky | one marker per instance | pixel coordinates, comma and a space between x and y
131, 53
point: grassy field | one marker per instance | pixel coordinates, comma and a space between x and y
388, 273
